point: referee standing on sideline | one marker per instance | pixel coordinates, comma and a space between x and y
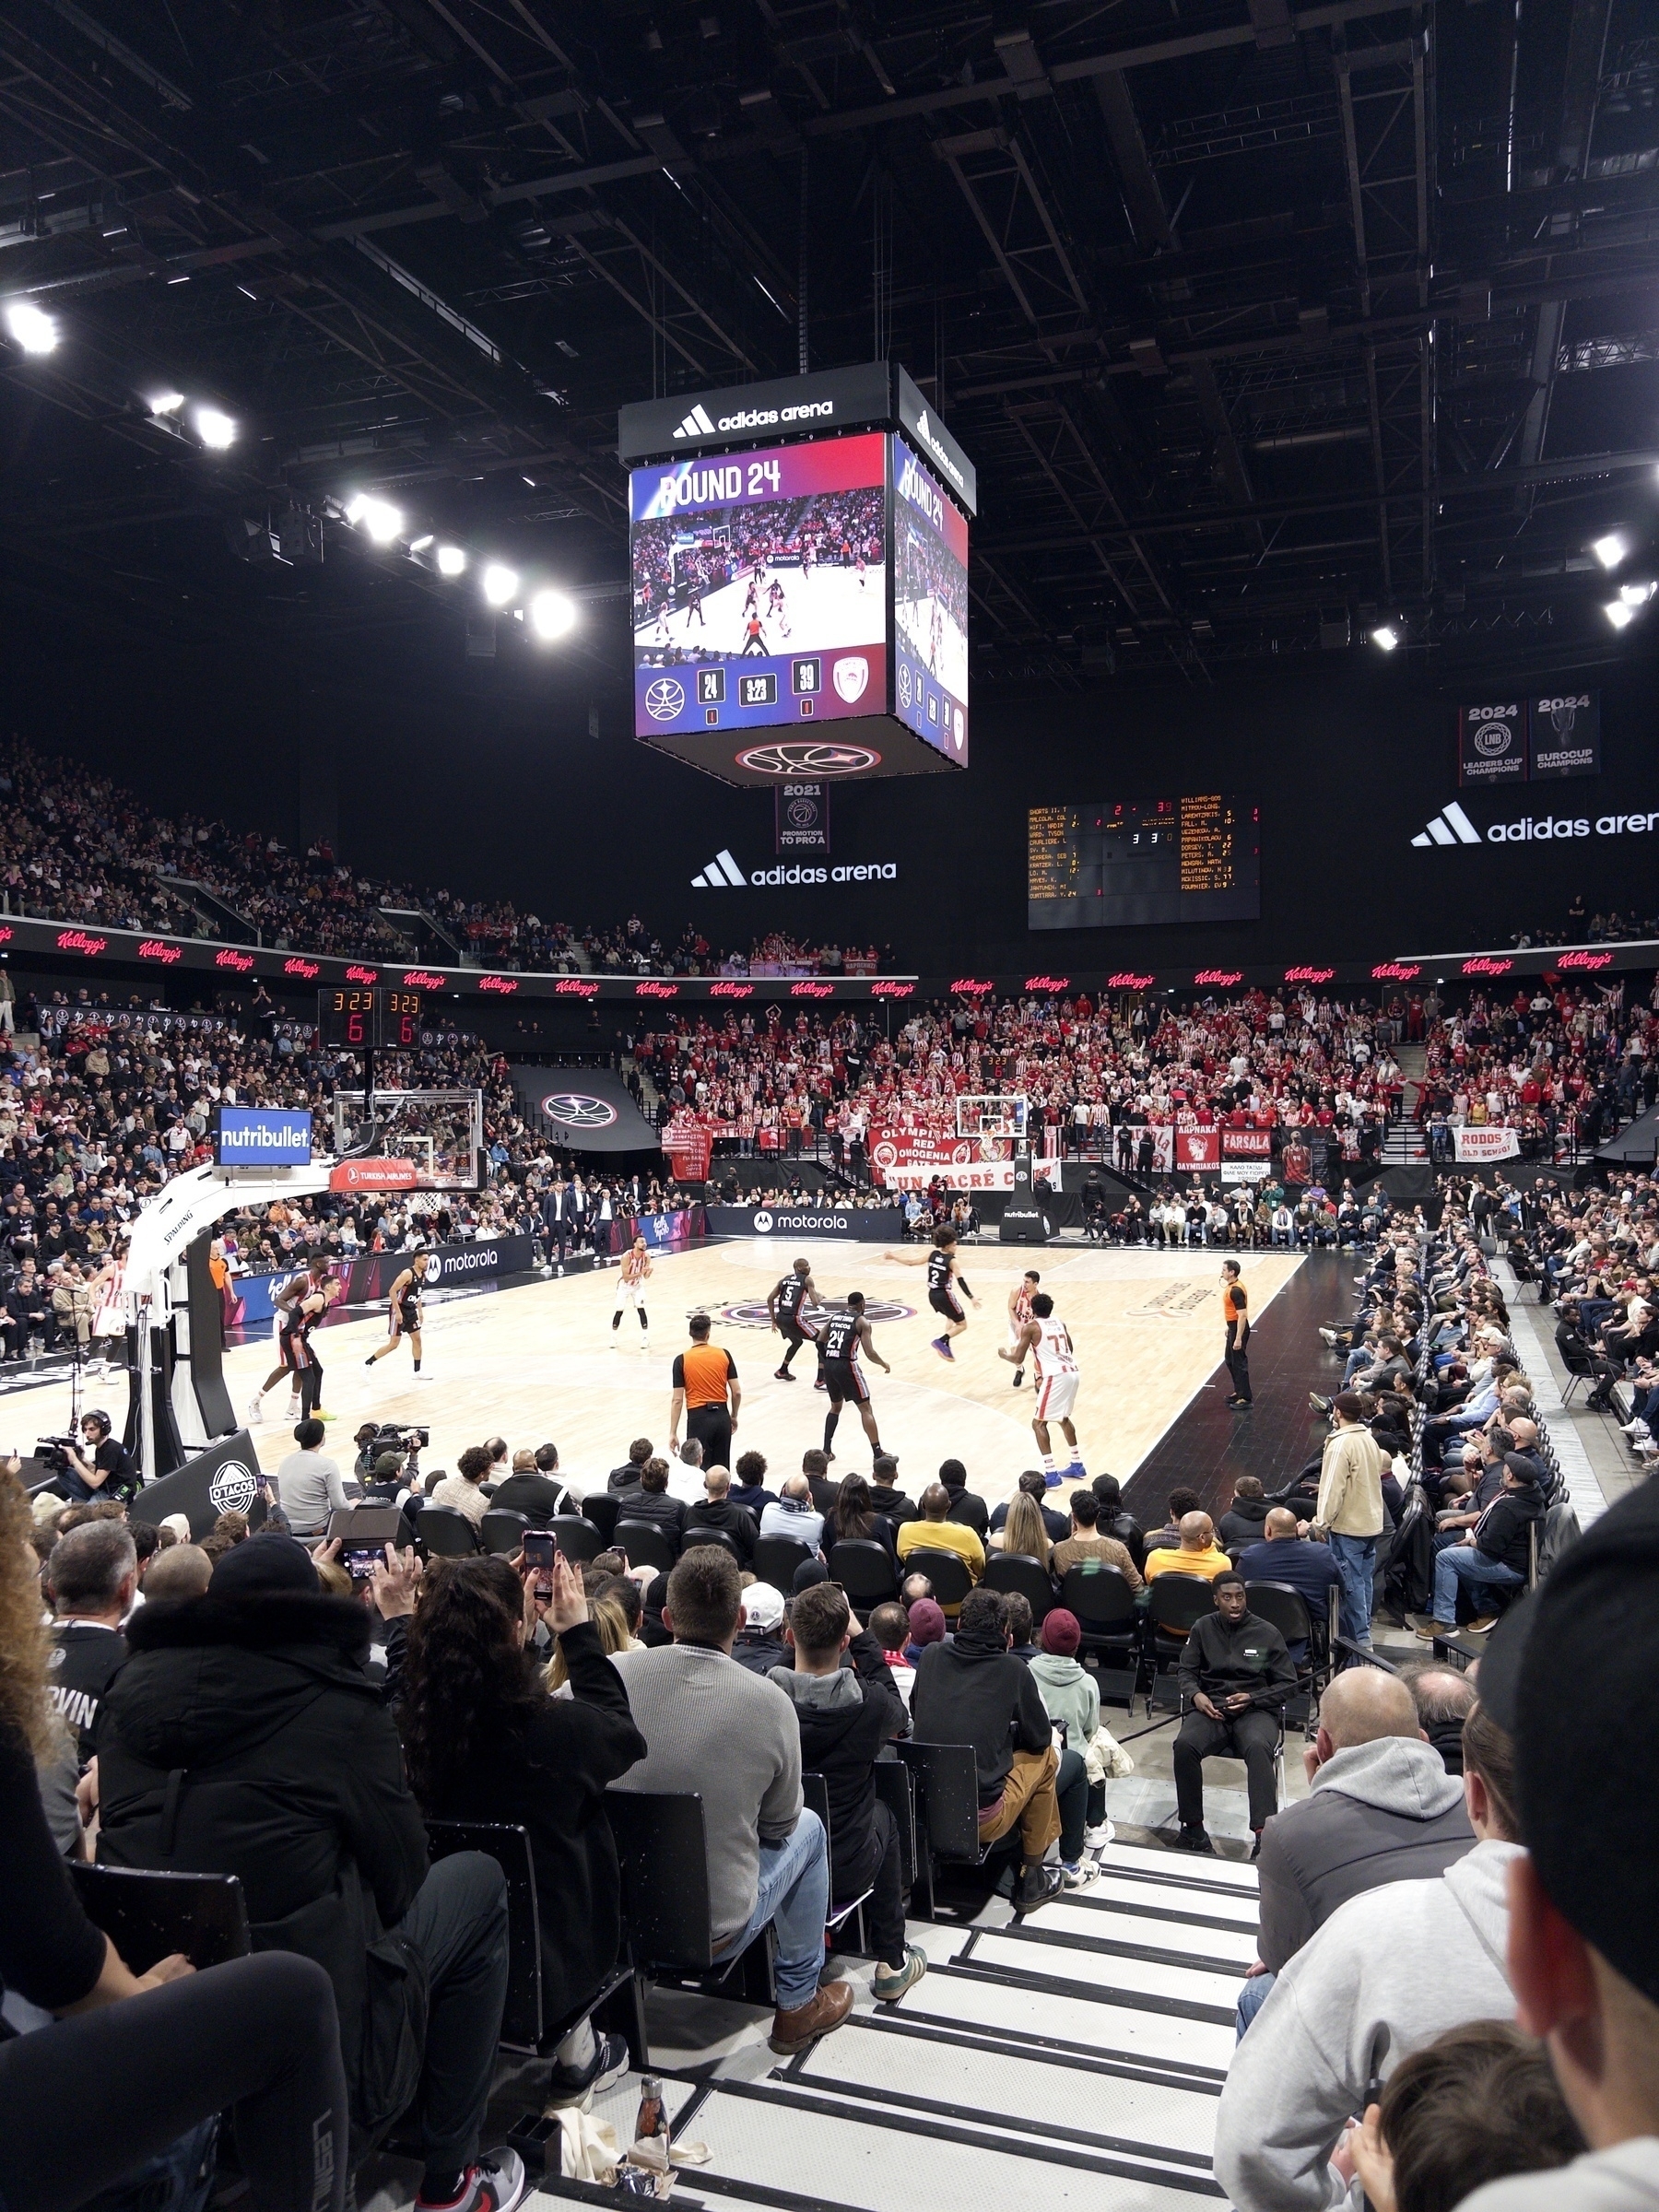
705, 1389
1235, 1306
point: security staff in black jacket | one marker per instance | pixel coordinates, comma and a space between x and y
1236, 1678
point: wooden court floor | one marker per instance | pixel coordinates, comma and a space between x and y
536, 1362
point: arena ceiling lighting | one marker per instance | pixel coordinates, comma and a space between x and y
30, 326
166, 403
452, 560
1609, 551
214, 429
552, 614
1637, 594
1387, 637
378, 518
499, 582
1619, 612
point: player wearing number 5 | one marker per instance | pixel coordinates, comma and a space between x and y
1235, 1308
943, 1283
1047, 1344
403, 1311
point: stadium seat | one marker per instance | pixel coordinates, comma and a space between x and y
1173, 1602
149, 1916
642, 1544
716, 1536
576, 1537
866, 1571
946, 1781
502, 1531
776, 1559
815, 1795
1011, 1571
1286, 1610
445, 1533
1110, 1623
601, 1508
667, 1918
947, 1570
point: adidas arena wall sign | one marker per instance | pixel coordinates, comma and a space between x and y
1451, 826
722, 873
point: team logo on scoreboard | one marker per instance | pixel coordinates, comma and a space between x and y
850, 676
578, 1110
807, 759
904, 684
664, 698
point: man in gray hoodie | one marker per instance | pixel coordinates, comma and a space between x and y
1381, 1809
1383, 1977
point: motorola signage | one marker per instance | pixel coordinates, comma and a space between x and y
1548, 738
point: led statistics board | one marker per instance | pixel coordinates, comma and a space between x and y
759, 588
1139, 861
930, 608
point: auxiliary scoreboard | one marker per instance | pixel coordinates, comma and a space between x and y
800, 604
1138, 861
372, 1017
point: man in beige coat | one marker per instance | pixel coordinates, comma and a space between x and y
1348, 1515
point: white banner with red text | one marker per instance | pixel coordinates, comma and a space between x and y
1486, 1142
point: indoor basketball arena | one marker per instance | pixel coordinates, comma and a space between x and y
831, 1371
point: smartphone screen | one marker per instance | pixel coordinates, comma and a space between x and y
360, 1560
540, 1547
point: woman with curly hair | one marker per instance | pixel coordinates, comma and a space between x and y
134, 2061
485, 1742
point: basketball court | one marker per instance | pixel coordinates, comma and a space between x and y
535, 1362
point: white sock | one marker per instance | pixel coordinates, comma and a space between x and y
1048, 1463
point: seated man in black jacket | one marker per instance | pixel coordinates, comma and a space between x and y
965, 1506
651, 1503
715, 1508
886, 1496
1236, 1678
627, 1477
973, 1691
846, 1714
748, 1485
534, 1487
246, 1735
1114, 1522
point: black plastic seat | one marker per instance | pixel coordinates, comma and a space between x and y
502, 1531
776, 1559
643, 1544
446, 1534
1015, 1572
947, 1570
1110, 1625
1174, 1602
717, 1536
576, 1537
150, 1915
602, 1509
866, 1571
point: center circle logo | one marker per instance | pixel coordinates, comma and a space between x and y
578, 1110
233, 1488
752, 1313
1493, 738
803, 758
664, 698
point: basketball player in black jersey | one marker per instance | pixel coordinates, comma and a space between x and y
694, 606
403, 1310
846, 1341
787, 1303
943, 1283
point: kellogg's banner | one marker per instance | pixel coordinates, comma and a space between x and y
1486, 1143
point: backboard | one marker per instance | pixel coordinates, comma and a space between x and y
417, 1140
995, 1115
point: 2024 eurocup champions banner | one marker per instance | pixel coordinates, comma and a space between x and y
760, 587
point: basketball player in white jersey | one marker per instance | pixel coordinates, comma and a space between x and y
1054, 1371
631, 1291
1019, 1312
403, 1311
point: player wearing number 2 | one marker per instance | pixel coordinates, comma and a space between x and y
1054, 1371
403, 1311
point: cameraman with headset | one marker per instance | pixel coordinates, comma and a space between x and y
108, 1473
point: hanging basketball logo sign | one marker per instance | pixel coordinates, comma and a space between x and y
578, 1110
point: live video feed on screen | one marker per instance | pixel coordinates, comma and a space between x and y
760, 587
1136, 861
930, 608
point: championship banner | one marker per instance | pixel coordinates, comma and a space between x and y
1197, 1150
1246, 1144
883, 1225
801, 822
1486, 1143
1491, 743
1564, 731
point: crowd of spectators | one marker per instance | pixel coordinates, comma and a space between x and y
1583, 928
1562, 1065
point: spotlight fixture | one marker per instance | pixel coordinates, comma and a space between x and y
1637, 594
1387, 637
420, 545
166, 402
499, 582
552, 614
1609, 551
1618, 613
33, 328
452, 560
214, 429
378, 517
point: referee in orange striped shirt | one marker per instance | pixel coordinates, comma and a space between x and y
706, 1390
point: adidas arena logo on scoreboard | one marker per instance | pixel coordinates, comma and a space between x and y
1451, 826
724, 874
